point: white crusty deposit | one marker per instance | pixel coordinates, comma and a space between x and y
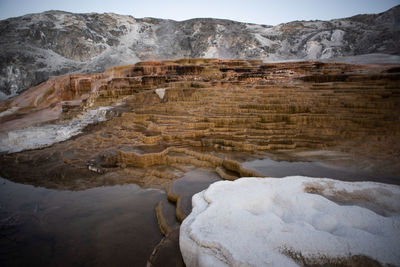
45, 135
160, 92
259, 221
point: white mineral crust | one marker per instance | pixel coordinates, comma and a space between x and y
257, 221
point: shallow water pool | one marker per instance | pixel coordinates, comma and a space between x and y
104, 226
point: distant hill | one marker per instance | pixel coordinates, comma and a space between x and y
36, 46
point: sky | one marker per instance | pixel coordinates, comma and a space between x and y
269, 12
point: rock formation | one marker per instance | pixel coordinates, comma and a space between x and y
293, 221
206, 105
35, 47
182, 124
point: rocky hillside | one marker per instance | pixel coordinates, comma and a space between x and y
36, 46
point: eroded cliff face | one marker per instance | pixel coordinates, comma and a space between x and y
35, 47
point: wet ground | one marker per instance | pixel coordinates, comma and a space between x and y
117, 225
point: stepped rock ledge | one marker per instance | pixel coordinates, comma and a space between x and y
181, 125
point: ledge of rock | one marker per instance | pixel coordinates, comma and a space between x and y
293, 221
149, 123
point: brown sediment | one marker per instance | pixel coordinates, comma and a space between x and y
167, 252
350, 261
224, 174
363, 198
181, 190
211, 110
189, 157
167, 221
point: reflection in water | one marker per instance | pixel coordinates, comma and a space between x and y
271, 168
191, 183
116, 225
104, 226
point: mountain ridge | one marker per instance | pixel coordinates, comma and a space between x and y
37, 46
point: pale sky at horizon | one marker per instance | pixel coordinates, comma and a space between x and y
254, 11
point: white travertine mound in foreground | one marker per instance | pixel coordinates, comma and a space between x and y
258, 221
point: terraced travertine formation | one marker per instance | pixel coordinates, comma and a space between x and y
37, 46
180, 125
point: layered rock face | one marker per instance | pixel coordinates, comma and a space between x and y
36, 46
178, 108
181, 125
